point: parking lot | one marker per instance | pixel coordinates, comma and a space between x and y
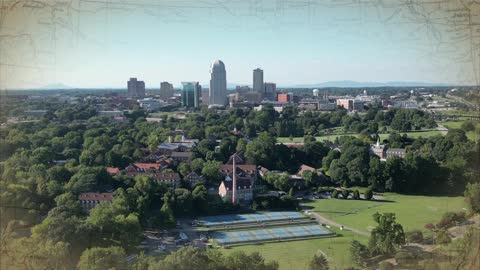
163, 242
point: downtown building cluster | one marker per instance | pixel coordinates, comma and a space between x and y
191, 95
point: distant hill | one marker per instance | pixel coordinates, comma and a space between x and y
55, 86
344, 84
354, 84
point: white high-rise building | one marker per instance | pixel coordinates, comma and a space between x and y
258, 80
218, 84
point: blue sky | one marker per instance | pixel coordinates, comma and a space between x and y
295, 42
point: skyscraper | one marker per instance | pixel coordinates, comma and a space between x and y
258, 80
135, 88
218, 84
166, 91
191, 94
270, 91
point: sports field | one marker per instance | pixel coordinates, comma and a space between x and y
295, 255
270, 234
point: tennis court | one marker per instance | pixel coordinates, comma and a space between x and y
272, 234
224, 220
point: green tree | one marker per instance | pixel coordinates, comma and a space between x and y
368, 195
211, 171
241, 145
387, 236
166, 216
472, 197
318, 262
254, 260
345, 193
311, 178
356, 195
100, 258
442, 237
197, 164
260, 150
278, 180
186, 258
335, 194
200, 199
359, 252
184, 168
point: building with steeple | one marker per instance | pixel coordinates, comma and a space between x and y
238, 181
378, 149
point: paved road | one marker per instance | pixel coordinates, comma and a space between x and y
324, 220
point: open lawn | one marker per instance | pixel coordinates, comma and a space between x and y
413, 212
295, 255
411, 134
415, 134
457, 125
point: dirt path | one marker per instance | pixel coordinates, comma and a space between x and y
324, 220
442, 129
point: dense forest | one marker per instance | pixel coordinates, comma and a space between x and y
38, 194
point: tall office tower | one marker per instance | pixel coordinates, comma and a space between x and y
166, 91
218, 84
136, 88
205, 96
258, 80
191, 94
270, 91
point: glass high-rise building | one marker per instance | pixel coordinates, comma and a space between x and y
191, 93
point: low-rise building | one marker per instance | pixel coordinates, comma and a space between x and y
181, 156
89, 200
142, 167
151, 104
194, 178
171, 179
244, 189
113, 170
395, 152
245, 177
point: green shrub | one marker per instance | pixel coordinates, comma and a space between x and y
415, 236
443, 238
386, 266
368, 195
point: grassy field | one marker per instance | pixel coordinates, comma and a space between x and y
457, 125
413, 212
412, 134
295, 255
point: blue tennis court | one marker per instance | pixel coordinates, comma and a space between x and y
272, 234
225, 220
